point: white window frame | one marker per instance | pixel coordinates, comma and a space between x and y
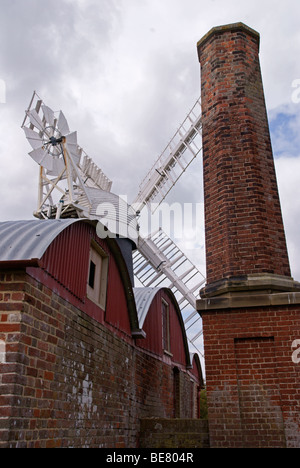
166, 328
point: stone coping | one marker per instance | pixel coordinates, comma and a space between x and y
229, 27
249, 291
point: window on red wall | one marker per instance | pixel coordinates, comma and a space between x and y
166, 326
97, 276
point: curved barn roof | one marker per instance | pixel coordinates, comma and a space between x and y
28, 240
195, 361
144, 298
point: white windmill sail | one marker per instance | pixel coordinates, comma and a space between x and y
183, 148
158, 259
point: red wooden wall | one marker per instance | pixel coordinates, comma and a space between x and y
153, 329
67, 261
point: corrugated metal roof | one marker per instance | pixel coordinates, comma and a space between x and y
26, 240
143, 299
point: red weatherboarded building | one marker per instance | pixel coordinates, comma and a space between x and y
83, 355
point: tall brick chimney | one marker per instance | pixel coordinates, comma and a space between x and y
250, 307
244, 229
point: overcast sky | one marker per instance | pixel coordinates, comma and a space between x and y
126, 73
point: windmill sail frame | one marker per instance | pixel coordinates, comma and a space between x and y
180, 152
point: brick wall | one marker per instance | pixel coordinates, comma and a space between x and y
67, 380
174, 433
252, 382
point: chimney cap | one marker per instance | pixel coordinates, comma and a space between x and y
229, 27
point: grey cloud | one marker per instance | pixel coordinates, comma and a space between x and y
41, 42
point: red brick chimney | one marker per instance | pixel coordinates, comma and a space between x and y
250, 307
244, 229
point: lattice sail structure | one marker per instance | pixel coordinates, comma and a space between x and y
160, 262
183, 148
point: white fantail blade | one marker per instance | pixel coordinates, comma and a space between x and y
71, 141
62, 124
34, 138
49, 115
75, 157
55, 151
38, 154
42, 157
36, 120
58, 167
